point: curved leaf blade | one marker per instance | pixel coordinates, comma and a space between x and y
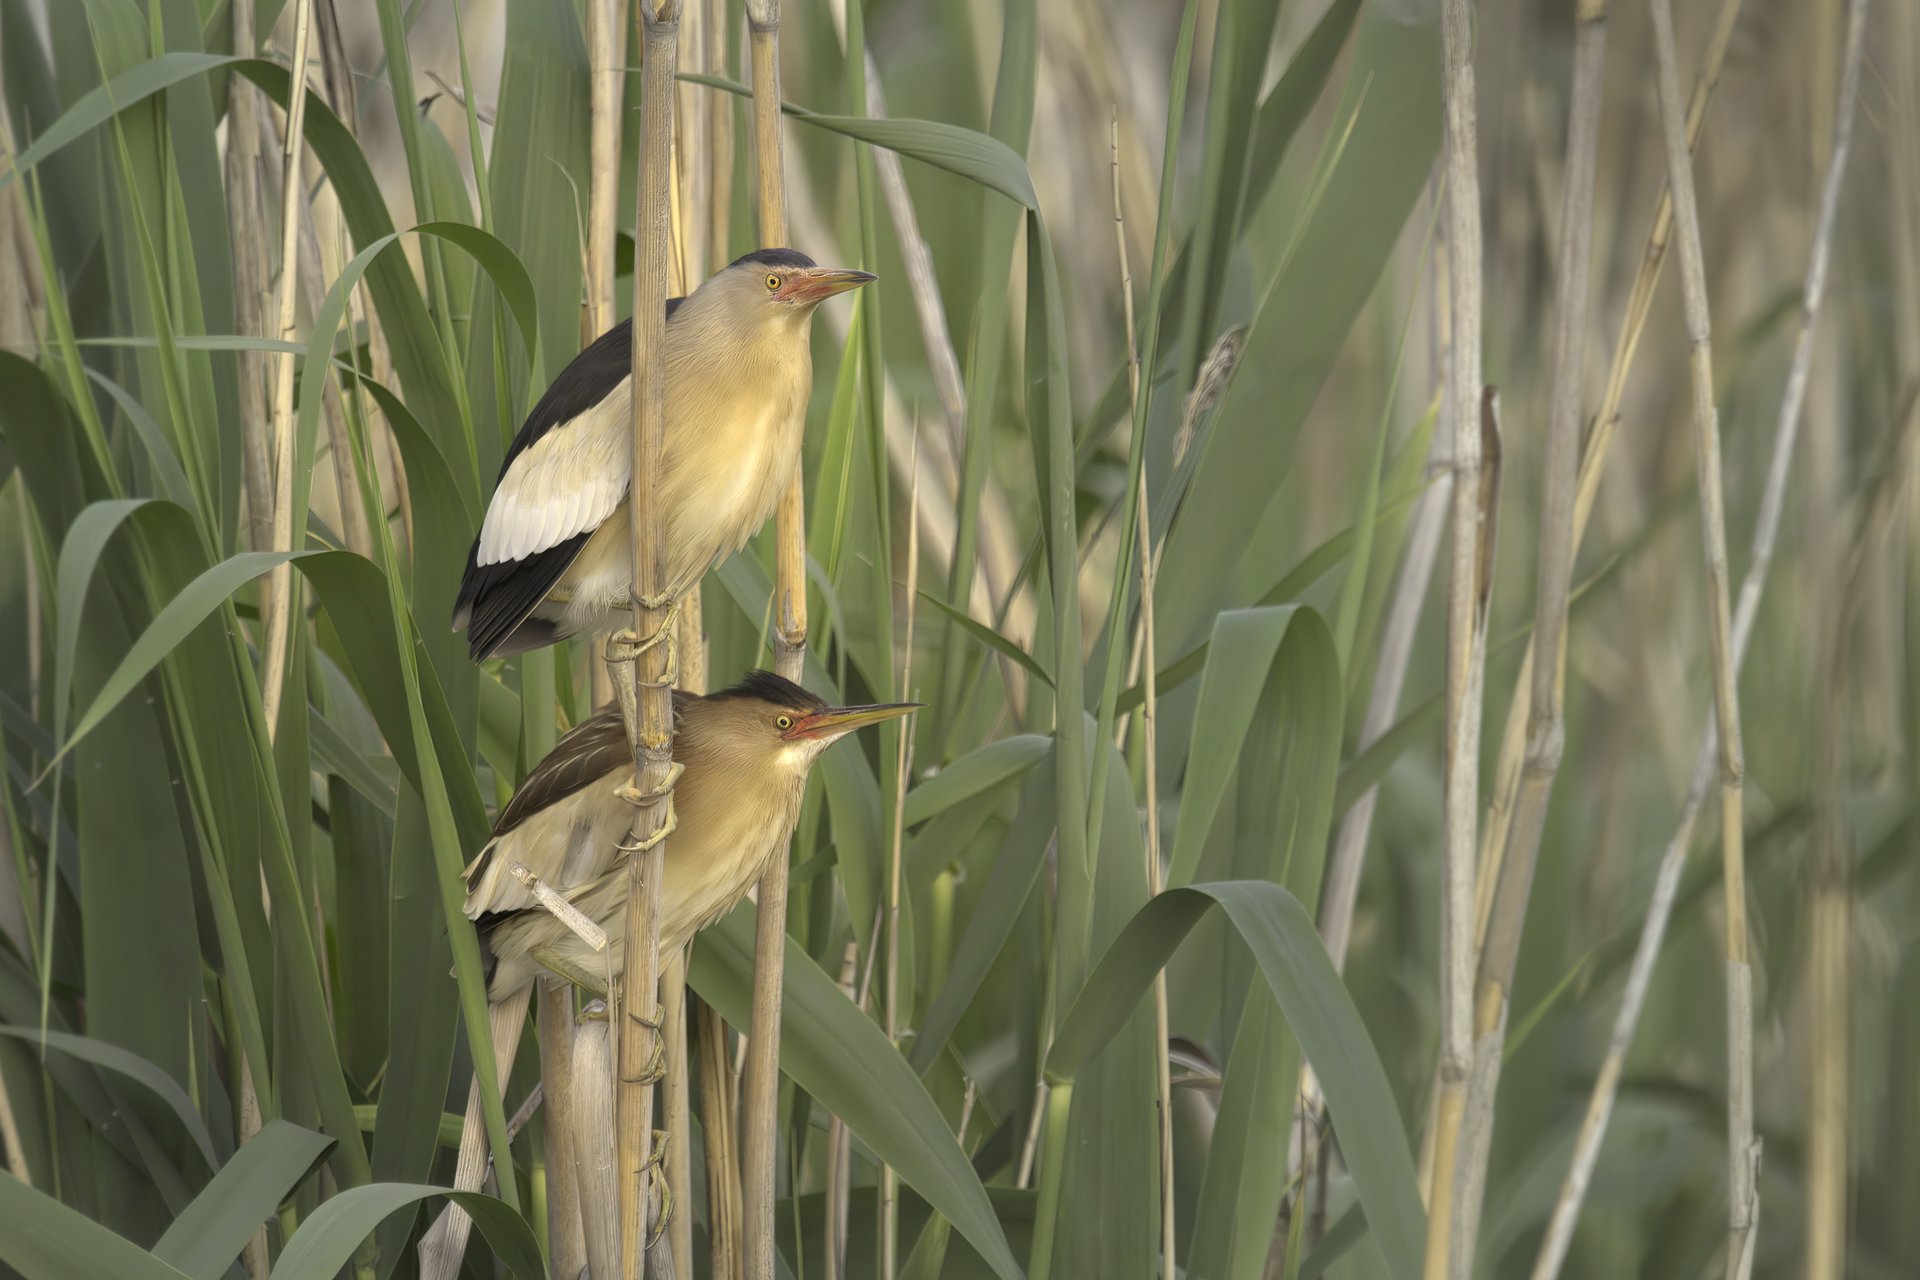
1288, 950
327, 1239
45, 1240
836, 1053
135, 1068
974, 773
204, 1241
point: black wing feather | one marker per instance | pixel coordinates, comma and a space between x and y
495, 600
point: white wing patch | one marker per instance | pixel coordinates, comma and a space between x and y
566, 483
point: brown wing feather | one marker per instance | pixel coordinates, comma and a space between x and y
589, 751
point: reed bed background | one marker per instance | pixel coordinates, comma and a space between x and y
1372, 894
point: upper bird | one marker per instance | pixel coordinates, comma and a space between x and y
553, 557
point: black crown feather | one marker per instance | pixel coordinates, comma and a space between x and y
768, 687
774, 258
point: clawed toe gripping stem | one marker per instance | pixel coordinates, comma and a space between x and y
656, 1068
626, 644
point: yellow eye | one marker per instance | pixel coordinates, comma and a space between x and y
783, 722
773, 282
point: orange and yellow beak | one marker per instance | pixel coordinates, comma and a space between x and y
832, 722
817, 284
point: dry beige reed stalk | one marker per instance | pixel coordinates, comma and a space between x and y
246, 220
839, 1172
246, 223
445, 1243
566, 1245
677, 1111
1546, 728
644, 685
593, 1146
1559, 1236
1464, 650
279, 596
719, 1115
761, 1101
606, 31
1742, 1154
1593, 459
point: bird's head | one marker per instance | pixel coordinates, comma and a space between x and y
781, 284
774, 719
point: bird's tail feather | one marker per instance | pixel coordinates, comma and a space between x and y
445, 1243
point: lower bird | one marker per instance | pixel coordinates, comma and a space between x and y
553, 558
745, 753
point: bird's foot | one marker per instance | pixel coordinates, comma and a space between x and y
627, 645
656, 1068
657, 1165
634, 796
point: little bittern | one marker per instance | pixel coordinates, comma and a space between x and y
553, 557
745, 753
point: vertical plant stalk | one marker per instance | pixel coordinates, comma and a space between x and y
606, 55
692, 193
567, 1195
336, 90
678, 1108
593, 1146
245, 223
1586, 1152
1506, 783
246, 218
566, 1246
720, 146
445, 1243
761, 1103
1742, 1153
1546, 726
280, 581
645, 685
718, 1115
605, 27
1462, 753
889, 1180
1143, 661
691, 186
839, 1157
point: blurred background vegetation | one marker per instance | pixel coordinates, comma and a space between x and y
1297, 493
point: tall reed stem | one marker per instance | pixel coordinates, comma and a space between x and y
1464, 651
761, 1103
1546, 728
1593, 459
280, 581
1145, 661
646, 685
245, 212
889, 1180
1742, 1154
1566, 1212
250, 276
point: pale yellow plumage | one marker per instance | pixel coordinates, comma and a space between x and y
736, 804
552, 558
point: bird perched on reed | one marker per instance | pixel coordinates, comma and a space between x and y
745, 753
552, 558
